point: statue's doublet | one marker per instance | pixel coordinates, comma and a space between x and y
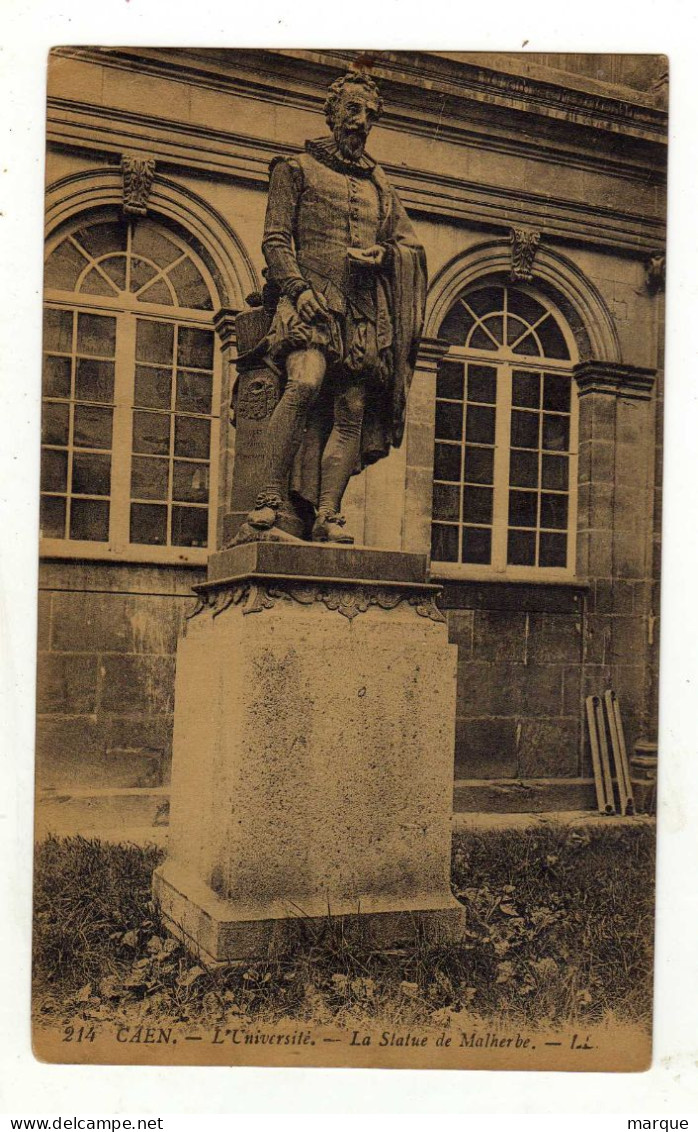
335, 211
322, 206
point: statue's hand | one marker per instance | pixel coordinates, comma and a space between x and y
311, 307
368, 257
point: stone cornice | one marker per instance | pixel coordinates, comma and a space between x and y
108, 132
224, 323
430, 353
616, 379
577, 102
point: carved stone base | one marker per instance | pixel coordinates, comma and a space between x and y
313, 752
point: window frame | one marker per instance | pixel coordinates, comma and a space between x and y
125, 308
505, 362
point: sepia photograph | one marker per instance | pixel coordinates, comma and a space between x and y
350, 510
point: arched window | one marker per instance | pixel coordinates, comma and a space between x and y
505, 440
131, 392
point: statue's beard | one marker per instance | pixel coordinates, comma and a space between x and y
351, 143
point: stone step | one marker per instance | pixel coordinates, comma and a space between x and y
528, 795
107, 813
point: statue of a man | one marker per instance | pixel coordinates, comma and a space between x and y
351, 281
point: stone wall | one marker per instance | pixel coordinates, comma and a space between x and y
107, 643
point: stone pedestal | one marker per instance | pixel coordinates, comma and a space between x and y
313, 753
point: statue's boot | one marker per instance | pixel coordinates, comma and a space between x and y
266, 509
329, 527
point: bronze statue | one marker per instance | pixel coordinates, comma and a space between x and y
346, 279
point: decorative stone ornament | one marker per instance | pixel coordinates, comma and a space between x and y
524, 245
655, 272
347, 599
137, 172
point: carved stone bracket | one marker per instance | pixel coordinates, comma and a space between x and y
137, 172
349, 600
655, 272
524, 245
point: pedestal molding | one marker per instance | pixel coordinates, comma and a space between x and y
346, 596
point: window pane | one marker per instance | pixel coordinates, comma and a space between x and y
481, 341
189, 526
58, 330
195, 391
556, 432
444, 543
149, 478
192, 437
158, 292
449, 421
455, 327
515, 329
115, 268
52, 517
54, 423
141, 273
556, 392
525, 389
153, 387
556, 472
149, 242
92, 427
486, 299
94, 381
154, 341
149, 524
447, 462
527, 347
190, 482
552, 339
99, 239
477, 545
151, 433
524, 306
94, 283
63, 267
96, 334
495, 325
195, 348
189, 286
56, 381
479, 424
521, 550
553, 511
89, 519
91, 474
553, 549
482, 384
449, 380
523, 469
54, 470
523, 508
477, 505
524, 429
446, 501
479, 465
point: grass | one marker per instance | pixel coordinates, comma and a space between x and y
559, 929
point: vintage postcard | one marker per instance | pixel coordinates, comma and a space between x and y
350, 554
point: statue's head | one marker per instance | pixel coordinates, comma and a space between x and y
352, 107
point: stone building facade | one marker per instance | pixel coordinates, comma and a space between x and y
531, 468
